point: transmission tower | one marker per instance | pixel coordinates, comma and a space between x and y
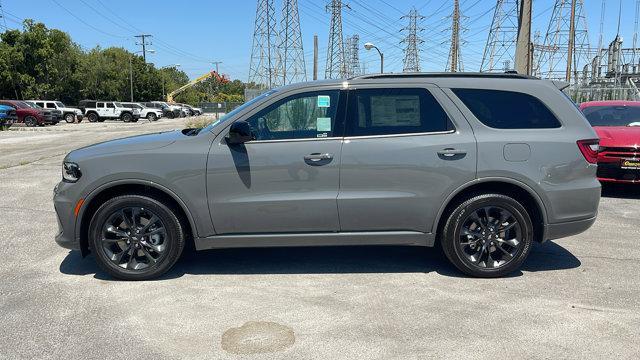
336, 65
561, 50
263, 66
352, 55
503, 35
455, 58
412, 51
291, 67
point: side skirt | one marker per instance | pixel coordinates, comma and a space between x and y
407, 238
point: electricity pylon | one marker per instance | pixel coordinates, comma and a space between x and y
291, 66
566, 44
336, 65
352, 55
411, 41
503, 35
455, 58
263, 66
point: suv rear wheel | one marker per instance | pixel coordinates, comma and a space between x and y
135, 237
126, 117
489, 235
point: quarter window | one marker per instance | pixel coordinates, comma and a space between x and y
301, 116
507, 109
395, 111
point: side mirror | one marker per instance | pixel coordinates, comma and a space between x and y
239, 133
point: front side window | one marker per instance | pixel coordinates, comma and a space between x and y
613, 115
301, 116
395, 111
110, 105
59, 104
507, 109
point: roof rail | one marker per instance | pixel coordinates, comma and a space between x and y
507, 75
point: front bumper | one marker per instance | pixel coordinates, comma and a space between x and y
569, 228
64, 208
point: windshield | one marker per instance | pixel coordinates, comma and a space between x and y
59, 104
240, 108
613, 115
32, 105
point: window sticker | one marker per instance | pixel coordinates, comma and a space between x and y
324, 101
323, 124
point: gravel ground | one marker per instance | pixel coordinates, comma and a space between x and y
577, 297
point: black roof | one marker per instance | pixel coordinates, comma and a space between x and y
507, 75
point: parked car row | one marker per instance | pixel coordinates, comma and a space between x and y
49, 112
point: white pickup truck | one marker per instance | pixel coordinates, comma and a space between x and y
69, 114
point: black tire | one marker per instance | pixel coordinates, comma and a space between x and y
69, 118
93, 117
173, 238
126, 117
458, 240
30, 121
171, 115
152, 116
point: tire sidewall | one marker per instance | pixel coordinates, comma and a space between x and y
152, 116
454, 224
126, 117
93, 117
175, 236
69, 116
30, 121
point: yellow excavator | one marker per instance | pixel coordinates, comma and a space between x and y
213, 74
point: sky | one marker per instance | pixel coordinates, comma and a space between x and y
194, 33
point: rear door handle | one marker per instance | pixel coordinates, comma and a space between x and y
450, 152
318, 157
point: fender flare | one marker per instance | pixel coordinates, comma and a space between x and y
98, 190
460, 189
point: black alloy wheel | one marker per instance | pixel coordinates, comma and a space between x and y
93, 117
489, 235
135, 237
126, 117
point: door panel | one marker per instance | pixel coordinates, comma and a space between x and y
287, 179
399, 181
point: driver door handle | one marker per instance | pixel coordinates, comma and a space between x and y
318, 157
450, 152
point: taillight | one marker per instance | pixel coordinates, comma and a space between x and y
589, 149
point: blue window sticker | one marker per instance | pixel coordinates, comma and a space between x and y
324, 101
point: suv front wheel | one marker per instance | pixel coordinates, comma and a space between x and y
135, 237
93, 117
488, 235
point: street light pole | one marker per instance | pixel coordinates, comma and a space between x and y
369, 46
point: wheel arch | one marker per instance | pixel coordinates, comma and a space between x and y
139, 187
505, 186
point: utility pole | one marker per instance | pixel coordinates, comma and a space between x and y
336, 65
216, 63
144, 43
572, 39
262, 68
315, 57
291, 64
524, 47
454, 64
412, 51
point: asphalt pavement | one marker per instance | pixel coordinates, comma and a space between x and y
575, 298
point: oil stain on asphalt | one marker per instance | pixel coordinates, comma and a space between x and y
257, 337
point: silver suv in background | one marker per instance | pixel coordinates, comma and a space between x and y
484, 164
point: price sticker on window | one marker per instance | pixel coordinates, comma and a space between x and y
323, 124
324, 101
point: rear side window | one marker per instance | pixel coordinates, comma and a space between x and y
395, 111
507, 109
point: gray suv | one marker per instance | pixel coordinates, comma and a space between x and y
483, 164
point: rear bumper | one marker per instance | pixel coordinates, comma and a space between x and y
565, 229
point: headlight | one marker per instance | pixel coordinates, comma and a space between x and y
70, 172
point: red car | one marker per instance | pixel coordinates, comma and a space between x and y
28, 115
618, 126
